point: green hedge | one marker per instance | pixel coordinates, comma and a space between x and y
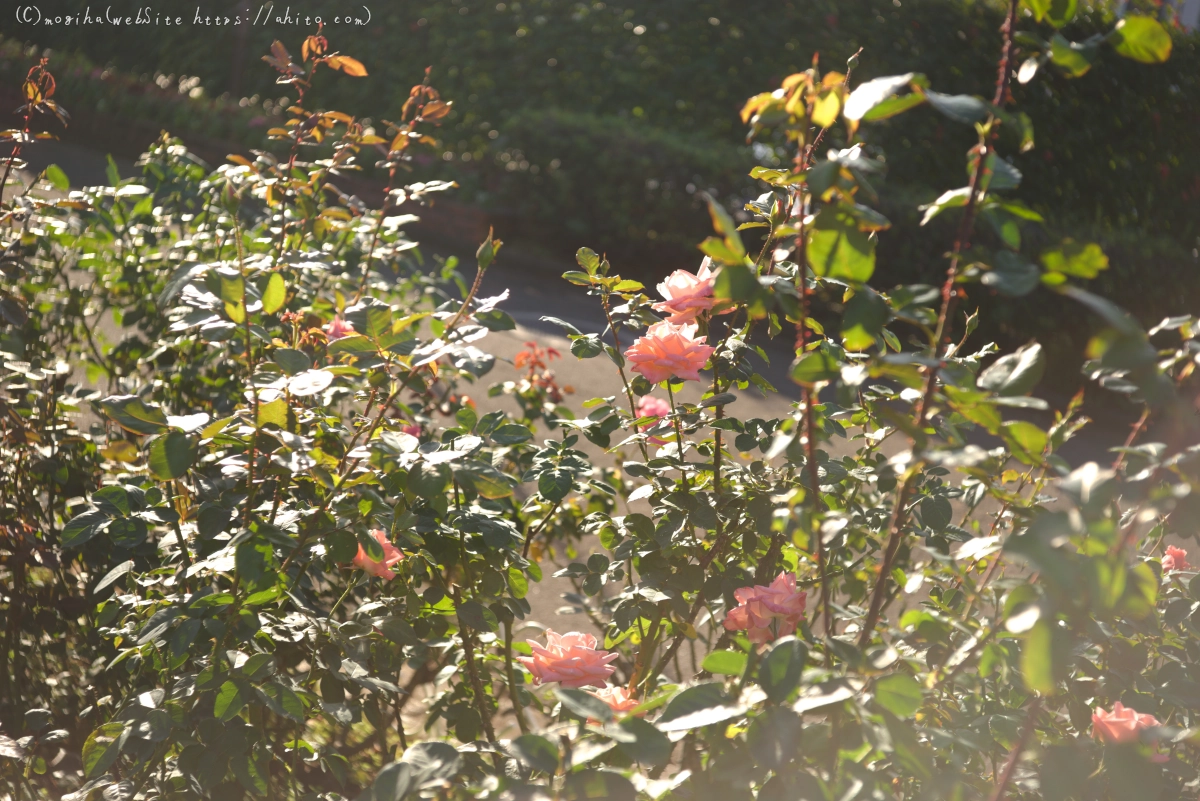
685, 66
593, 96
610, 182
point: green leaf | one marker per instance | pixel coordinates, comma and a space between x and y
738, 283
427, 480
936, 512
583, 704
960, 108
1016, 373
1142, 39
588, 260
893, 106
838, 249
292, 361
774, 737
594, 785
899, 694
83, 527
102, 748
864, 318
232, 288
555, 484
702, 705
111, 576
813, 367
1057, 12
393, 782
1026, 441
1041, 659
171, 455
57, 178
477, 616
275, 294
587, 346
113, 499
1081, 260
1073, 57
229, 701
866, 96
780, 670
1012, 275
724, 225
725, 663
537, 752
133, 414
650, 746
950, 199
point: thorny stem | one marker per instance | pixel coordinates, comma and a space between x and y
529, 538
1133, 435
899, 509
511, 675
1019, 746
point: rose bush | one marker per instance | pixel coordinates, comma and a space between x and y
263, 543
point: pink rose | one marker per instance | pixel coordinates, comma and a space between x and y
650, 406
618, 699
687, 294
571, 659
669, 350
765, 613
391, 555
338, 328
412, 429
1176, 559
1122, 725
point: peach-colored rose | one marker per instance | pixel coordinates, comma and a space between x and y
1121, 725
338, 328
412, 429
391, 555
1176, 559
617, 698
650, 406
571, 659
669, 350
765, 613
687, 294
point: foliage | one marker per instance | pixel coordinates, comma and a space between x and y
287, 556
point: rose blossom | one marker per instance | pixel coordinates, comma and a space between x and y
1176, 559
650, 406
669, 350
687, 294
618, 698
1122, 725
571, 659
760, 607
391, 555
338, 328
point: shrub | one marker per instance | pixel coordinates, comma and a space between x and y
287, 521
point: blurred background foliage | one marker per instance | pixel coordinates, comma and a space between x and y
563, 109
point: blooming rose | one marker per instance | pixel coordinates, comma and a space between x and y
1122, 725
669, 350
338, 328
767, 612
1176, 559
687, 294
571, 659
411, 429
617, 698
650, 406
391, 555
